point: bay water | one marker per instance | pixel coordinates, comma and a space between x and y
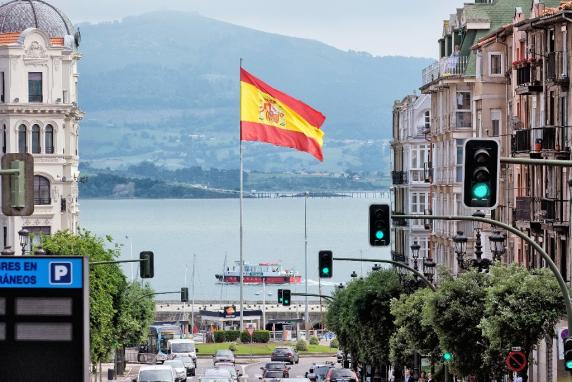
175, 230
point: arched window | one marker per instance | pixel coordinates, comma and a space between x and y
41, 190
22, 141
36, 149
49, 144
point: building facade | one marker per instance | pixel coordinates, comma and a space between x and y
39, 112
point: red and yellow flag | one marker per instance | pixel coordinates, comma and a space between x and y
271, 116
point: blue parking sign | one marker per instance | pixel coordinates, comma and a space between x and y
61, 273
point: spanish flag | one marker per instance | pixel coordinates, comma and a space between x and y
271, 116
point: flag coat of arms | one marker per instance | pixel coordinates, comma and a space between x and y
271, 116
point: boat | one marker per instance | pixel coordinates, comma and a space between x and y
268, 273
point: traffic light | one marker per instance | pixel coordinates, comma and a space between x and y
379, 225
184, 294
325, 263
568, 353
18, 189
447, 356
286, 297
280, 293
481, 181
146, 267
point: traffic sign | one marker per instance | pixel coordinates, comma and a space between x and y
250, 331
516, 361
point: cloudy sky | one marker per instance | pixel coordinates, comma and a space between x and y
381, 27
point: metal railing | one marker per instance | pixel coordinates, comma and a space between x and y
523, 75
555, 66
445, 67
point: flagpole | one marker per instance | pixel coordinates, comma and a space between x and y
306, 315
241, 192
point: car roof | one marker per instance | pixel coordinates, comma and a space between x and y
217, 372
174, 360
155, 367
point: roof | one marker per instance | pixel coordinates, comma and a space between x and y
155, 367
19, 15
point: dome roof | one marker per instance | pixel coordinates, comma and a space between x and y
19, 15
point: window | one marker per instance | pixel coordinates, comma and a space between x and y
419, 203
41, 190
495, 64
36, 139
35, 87
22, 139
463, 116
49, 144
427, 120
496, 122
459, 161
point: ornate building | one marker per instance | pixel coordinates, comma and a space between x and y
39, 112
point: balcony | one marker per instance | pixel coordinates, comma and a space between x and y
521, 141
526, 81
556, 69
541, 211
399, 177
452, 66
397, 256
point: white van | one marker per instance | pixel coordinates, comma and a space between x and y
183, 347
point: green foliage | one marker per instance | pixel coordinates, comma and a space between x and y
136, 313
219, 336
415, 330
335, 343
521, 307
301, 345
107, 286
456, 310
232, 346
261, 336
231, 335
314, 340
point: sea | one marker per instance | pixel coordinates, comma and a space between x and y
208, 230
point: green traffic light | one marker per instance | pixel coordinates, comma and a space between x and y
325, 271
568, 365
447, 356
379, 235
481, 190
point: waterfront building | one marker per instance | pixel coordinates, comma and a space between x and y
410, 177
39, 112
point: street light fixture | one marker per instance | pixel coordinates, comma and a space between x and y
7, 251
376, 267
460, 241
353, 275
24, 237
497, 244
341, 286
429, 268
415, 247
39, 251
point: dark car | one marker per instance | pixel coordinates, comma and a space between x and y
277, 366
223, 356
341, 375
272, 375
285, 354
319, 371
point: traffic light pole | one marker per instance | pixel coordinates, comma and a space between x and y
157, 293
329, 298
116, 262
396, 263
535, 245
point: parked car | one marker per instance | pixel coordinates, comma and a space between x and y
189, 365
223, 356
179, 367
341, 375
277, 366
286, 354
234, 372
216, 375
156, 373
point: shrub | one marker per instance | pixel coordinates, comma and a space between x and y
232, 346
334, 343
231, 335
219, 336
314, 340
302, 345
261, 336
245, 337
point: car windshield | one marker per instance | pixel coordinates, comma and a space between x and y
321, 371
155, 376
224, 353
274, 374
230, 368
275, 366
184, 347
177, 363
342, 373
281, 350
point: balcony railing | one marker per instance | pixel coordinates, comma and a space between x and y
547, 210
522, 208
556, 69
521, 141
523, 75
545, 138
399, 177
445, 67
397, 256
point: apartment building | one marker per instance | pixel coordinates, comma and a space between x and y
410, 175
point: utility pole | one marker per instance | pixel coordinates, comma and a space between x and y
193, 297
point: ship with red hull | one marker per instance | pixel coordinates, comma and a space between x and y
267, 273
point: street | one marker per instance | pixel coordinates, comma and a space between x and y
251, 368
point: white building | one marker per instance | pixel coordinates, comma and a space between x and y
39, 112
410, 175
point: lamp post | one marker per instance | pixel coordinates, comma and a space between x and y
415, 247
478, 242
497, 245
24, 237
429, 268
460, 241
264, 294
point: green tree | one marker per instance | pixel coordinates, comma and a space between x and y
136, 313
455, 311
521, 307
106, 286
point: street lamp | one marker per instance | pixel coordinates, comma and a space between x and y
341, 286
376, 267
353, 275
429, 268
39, 251
497, 245
415, 247
7, 251
460, 241
24, 237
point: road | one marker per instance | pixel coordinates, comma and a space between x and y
251, 368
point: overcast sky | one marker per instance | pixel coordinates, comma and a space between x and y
381, 27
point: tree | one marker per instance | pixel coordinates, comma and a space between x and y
456, 310
136, 313
106, 286
521, 307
